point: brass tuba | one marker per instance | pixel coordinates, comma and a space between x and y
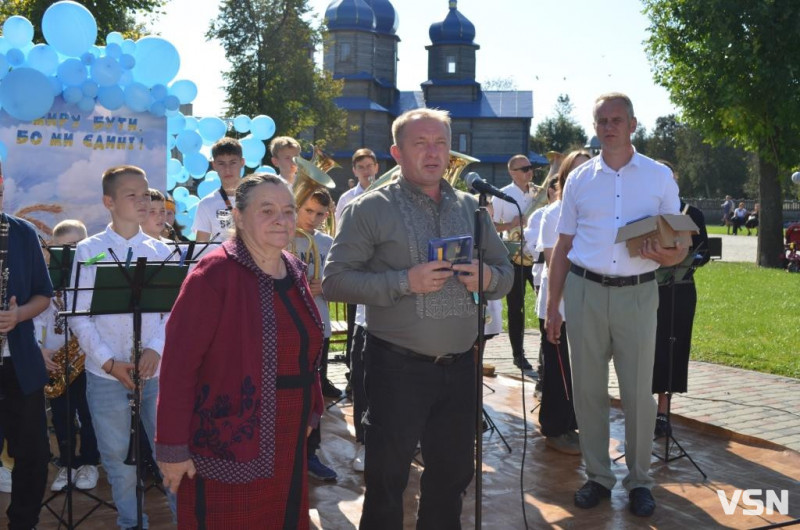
458, 162
58, 383
310, 176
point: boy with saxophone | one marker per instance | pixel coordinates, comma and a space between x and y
50, 330
25, 291
108, 340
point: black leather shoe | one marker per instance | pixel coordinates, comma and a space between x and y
590, 494
642, 503
330, 391
522, 363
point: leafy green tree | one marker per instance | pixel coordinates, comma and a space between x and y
733, 66
270, 46
111, 15
662, 143
706, 170
561, 132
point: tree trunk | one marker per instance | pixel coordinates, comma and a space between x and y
770, 217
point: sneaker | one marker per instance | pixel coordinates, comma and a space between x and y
86, 477
358, 461
522, 363
330, 391
60, 481
565, 443
320, 471
663, 428
5, 480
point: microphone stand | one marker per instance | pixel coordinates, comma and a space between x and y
480, 213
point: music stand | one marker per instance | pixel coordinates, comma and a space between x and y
59, 268
148, 288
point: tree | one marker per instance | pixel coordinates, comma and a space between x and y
270, 46
733, 66
110, 15
560, 133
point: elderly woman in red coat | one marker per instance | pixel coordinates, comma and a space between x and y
239, 387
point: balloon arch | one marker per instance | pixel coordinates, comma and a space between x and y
139, 75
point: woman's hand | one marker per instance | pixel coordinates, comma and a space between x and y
173, 473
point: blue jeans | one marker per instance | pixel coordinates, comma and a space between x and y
111, 414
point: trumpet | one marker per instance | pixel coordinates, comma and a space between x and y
58, 380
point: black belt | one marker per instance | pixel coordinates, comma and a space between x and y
612, 281
442, 360
294, 381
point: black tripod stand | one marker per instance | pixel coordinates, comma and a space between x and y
60, 268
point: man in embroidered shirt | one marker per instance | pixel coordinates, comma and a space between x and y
611, 298
22, 371
213, 216
107, 340
507, 219
421, 325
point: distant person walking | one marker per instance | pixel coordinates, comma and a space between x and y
727, 209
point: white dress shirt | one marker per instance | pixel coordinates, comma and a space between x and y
598, 200
531, 234
505, 211
346, 198
547, 237
103, 337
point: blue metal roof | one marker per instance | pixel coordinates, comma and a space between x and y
350, 14
494, 104
365, 76
454, 29
386, 20
358, 103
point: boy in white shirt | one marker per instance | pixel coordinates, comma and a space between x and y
107, 340
213, 216
283, 150
50, 329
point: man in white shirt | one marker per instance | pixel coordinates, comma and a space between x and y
213, 216
107, 340
611, 298
365, 167
507, 219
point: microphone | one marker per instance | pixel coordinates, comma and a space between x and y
476, 183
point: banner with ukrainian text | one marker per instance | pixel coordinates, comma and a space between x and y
55, 163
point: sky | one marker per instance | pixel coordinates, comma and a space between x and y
582, 48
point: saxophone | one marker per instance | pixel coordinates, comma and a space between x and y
4, 228
58, 380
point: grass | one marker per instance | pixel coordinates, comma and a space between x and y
747, 317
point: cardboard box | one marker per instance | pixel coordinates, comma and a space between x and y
667, 229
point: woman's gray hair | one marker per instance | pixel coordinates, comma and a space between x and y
249, 183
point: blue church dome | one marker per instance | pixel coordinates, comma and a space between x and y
350, 14
454, 29
386, 20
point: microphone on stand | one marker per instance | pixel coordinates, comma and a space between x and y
476, 183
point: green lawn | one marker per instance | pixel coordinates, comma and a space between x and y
747, 317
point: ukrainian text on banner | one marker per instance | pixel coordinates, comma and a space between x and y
54, 165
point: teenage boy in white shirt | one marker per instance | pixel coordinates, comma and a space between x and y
107, 340
213, 216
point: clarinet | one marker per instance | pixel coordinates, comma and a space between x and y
134, 400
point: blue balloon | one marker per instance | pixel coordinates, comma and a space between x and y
159, 92
126, 78
43, 58
196, 164
171, 182
266, 169
172, 103
4, 66
15, 57
106, 71
56, 85
180, 193
191, 123
170, 143
241, 123
69, 27
18, 31
88, 58
137, 97
72, 72
252, 163
4, 45
184, 219
157, 61
176, 123
188, 142
127, 61
211, 175
128, 46
262, 127
72, 94
157, 108
86, 104
89, 88
184, 90
173, 166
191, 202
115, 37
26, 94
212, 129
111, 97
182, 177
207, 187
113, 50
253, 150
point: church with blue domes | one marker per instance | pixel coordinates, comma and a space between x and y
361, 50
